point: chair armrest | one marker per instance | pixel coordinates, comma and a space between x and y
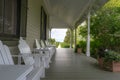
41, 49
38, 58
31, 55
19, 58
42, 52
51, 46
16, 55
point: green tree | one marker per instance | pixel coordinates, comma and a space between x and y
67, 37
105, 24
105, 28
82, 32
52, 41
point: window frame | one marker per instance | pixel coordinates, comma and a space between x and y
43, 26
18, 27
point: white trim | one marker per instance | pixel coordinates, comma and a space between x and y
88, 37
48, 6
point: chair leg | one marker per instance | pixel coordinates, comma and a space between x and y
43, 74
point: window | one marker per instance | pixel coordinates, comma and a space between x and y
10, 17
43, 27
23, 18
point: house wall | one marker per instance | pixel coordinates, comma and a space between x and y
33, 21
48, 19
33, 26
32, 29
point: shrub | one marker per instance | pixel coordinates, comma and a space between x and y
94, 48
76, 47
112, 56
65, 45
83, 46
57, 44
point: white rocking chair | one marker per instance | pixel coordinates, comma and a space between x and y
51, 50
49, 45
35, 74
46, 53
47, 50
26, 49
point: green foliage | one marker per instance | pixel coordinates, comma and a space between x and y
83, 31
65, 45
57, 44
112, 3
67, 37
104, 28
82, 45
76, 47
52, 41
105, 25
81, 37
94, 48
112, 56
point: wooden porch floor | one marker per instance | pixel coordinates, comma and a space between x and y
69, 66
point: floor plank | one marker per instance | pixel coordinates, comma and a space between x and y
66, 65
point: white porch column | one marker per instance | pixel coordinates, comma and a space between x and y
71, 38
50, 33
88, 37
75, 36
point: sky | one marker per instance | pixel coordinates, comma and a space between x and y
58, 34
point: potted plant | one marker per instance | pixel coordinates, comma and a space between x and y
78, 48
101, 54
112, 61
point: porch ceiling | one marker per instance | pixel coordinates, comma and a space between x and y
70, 13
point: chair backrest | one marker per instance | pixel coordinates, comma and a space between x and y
42, 44
1, 58
46, 42
8, 54
37, 44
3, 53
26, 52
24, 44
6, 57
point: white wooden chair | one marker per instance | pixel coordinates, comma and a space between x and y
49, 45
45, 49
25, 49
35, 74
46, 53
51, 50
5, 56
45, 57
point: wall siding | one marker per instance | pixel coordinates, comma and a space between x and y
33, 27
33, 21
